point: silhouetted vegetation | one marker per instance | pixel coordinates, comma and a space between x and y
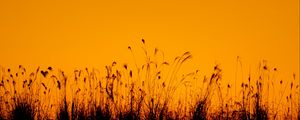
23, 110
157, 89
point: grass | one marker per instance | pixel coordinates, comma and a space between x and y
155, 90
23, 111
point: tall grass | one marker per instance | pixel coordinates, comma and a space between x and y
155, 89
23, 110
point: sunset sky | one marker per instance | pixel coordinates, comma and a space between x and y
79, 33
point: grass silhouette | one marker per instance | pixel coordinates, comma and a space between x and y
154, 90
23, 111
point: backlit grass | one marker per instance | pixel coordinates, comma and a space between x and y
156, 89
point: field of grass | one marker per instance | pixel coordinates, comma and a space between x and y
157, 89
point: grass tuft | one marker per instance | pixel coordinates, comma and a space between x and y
23, 111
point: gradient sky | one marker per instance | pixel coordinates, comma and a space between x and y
69, 34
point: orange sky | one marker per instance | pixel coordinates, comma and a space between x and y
69, 34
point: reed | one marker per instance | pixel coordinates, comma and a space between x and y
154, 89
